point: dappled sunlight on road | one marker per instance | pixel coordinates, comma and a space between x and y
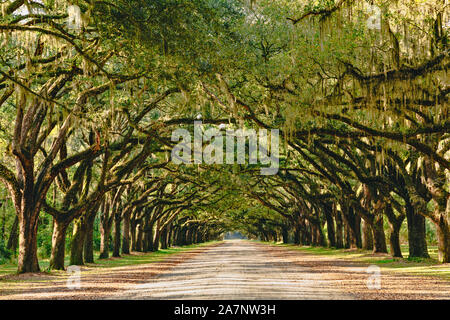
237, 270
234, 269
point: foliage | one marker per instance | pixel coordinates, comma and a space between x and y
5, 254
91, 91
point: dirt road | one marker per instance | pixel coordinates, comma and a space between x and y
230, 270
247, 270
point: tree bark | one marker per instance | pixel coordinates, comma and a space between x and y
139, 238
443, 235
58, 244
170, 234
182, 236
189, 232
441, 215
13, 236
394, 241
116, 250
149, 236
416, 232
318, 236
105, 229
285, 234
89, 240
339, 230
305, 232
352, 222
156, 239
77, 245
200, 235
297, 235
379, 238
330, 225
28, 223
193, 232
164, 236
314, 234
395, 224
347, 236
367, 238
358, 231
274, 236
133, 239
126, 235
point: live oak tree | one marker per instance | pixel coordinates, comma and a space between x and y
386, 83
90, 92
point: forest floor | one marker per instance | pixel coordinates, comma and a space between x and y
99, 280
234, 269
416, 266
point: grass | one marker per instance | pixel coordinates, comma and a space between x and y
124, 260
416, 266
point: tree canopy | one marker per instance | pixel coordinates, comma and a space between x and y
91, 91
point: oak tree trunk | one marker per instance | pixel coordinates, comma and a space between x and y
443, 235
379, 238
164, 240
139, 238
156, 240
367, 238
330, 225
133, 235
77, 245
394, 241
89, 240
148, 239
126, 235
347, 236
352, 223
13, 236
285, 234
416, 232
297, 235
105, 230
58, 244
339, 231
116, 249
170, 234
28, 223
395, 223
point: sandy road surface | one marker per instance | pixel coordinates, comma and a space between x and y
236, 270
230, 270
246, 270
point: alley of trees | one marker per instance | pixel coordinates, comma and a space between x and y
91, 91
